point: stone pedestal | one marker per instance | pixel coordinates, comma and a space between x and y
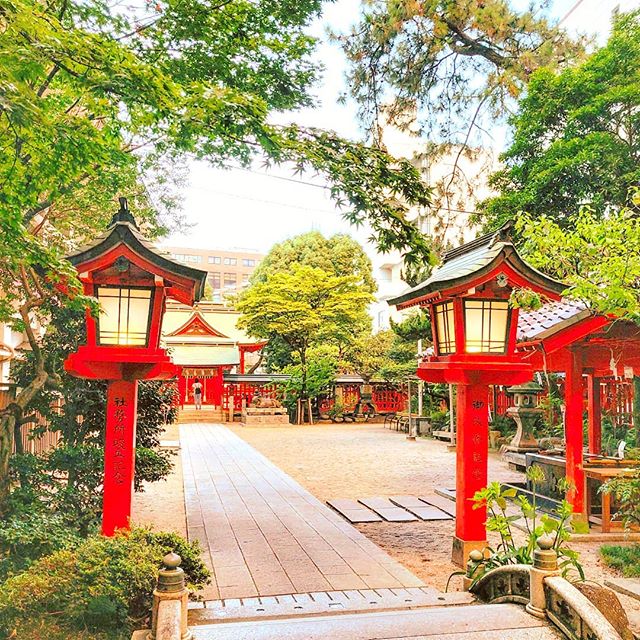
264, 417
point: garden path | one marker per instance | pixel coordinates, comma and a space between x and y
263, 534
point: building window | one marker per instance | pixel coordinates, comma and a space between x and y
385, 274
214, 259
231, 261
245, 278
248, 262
445, 336
214, 280
191, 258
216, 297
230, 280
178, 256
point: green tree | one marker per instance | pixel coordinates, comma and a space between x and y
97, 100
304, 306
369, 354
597, 256
576, 135
448, 59
339, 255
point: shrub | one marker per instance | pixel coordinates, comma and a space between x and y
103, 584
26, 537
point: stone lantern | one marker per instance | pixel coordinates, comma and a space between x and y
525, 412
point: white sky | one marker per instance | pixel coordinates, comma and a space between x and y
235, 208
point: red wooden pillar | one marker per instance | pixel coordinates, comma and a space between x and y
595, 414
119, 454
242, 354
471, 469
574, 405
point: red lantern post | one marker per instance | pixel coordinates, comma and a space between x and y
474, 336
131, 280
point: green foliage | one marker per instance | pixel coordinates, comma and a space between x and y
624, 559
504, 424
558, 525
310, 382
369, 354
416, 325
26, 537
626, 491
339, 255
103, 583
598, 257
576, 134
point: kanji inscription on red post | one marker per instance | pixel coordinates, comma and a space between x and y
119, 455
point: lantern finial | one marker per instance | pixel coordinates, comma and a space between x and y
124, 215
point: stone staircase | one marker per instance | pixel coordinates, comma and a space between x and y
188, 415
462, 622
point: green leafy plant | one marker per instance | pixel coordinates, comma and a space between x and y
496, 499
626, 491
624, 559
102, 583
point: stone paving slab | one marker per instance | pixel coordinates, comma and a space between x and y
352, 511
479, 622
263, 534
419, 508
389, 511
626, 586
444, 504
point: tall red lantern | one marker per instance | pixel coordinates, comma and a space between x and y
131, 280
474, 336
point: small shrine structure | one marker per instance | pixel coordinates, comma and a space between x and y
205, 342
481, 340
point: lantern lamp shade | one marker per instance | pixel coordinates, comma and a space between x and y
444, 325
125, 315
486, 325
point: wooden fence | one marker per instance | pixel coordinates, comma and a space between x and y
31, 443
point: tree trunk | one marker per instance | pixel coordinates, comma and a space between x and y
9, 418
7, 427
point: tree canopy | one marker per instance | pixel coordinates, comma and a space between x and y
339, 255
597, 255
576, 137
304, 306
448, 59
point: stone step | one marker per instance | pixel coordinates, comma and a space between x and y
471, 622
323, 602
190, 416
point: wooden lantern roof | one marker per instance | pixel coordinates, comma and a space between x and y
123, 239
475, 263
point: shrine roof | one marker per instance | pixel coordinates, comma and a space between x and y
471, 262
222, 320
195, 355
124, 231
552, 317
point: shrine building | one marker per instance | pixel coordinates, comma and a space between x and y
206, 343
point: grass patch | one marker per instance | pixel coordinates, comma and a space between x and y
624, 559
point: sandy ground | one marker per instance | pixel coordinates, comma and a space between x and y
161, 504
363, 460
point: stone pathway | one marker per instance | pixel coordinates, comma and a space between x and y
263, 534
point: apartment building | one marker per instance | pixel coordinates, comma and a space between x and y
229, 270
